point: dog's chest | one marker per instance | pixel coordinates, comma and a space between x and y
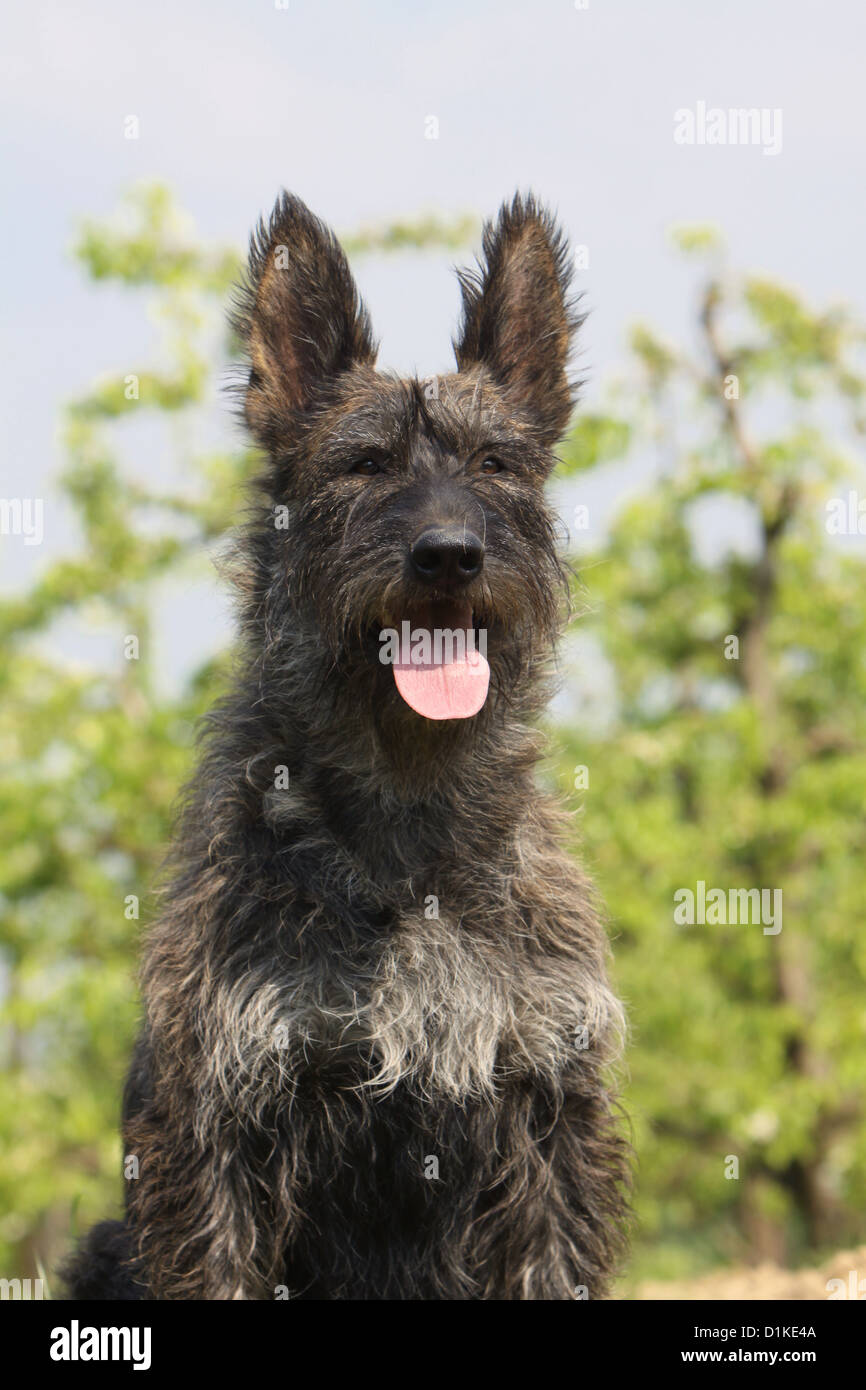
446, 1010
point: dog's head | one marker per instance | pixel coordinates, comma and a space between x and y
408, 507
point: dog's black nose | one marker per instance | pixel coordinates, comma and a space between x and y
447, 557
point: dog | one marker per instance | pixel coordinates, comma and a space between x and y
378, 1030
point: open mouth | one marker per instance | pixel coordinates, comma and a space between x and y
439, 662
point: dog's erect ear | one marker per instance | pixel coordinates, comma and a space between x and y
518, 318
299, 314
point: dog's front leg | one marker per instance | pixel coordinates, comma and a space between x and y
195, 1216
553, 1223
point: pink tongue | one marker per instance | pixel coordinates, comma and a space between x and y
452, 688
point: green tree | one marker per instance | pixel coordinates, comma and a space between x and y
733, 624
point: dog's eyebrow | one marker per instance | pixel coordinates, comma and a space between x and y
466, 425
375, 425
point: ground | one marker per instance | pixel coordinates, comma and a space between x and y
769, 1282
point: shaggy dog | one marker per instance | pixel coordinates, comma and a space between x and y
377, 1021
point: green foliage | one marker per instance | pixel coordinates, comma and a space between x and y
696, 239
739, 770
594, 439
150, 244
420, 235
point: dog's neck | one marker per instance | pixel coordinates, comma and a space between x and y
400, 794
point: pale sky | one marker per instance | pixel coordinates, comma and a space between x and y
237, 98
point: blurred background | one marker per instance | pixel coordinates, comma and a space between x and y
711, 725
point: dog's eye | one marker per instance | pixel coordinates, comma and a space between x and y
365, 467
491, 465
